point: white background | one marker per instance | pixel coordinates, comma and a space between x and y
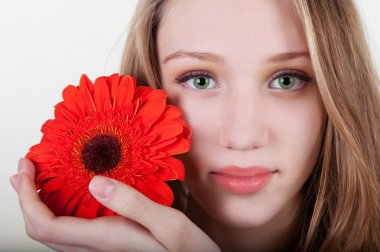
46, 45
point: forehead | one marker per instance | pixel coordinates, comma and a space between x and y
252, 28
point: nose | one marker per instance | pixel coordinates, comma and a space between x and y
243, 125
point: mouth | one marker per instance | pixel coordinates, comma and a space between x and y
239, 180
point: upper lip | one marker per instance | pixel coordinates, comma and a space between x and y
249, 171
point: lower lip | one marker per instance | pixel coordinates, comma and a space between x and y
243, 184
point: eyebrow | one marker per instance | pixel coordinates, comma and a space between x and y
288, 56
205, 56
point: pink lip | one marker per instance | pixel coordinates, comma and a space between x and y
246, 180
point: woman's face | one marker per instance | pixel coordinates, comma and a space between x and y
241, 73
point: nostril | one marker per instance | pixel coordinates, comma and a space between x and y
239, 139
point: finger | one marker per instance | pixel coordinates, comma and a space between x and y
14, 182
163, 222
64, 248
110, 233
26, 166
28, 197
43, 226
40, 222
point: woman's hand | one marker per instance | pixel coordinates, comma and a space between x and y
147, 226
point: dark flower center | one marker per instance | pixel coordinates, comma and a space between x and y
102, 153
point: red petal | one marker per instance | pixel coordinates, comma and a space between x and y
101, 95
86, 91
86, 82
170, 169
44, 175
44, 158
56, 202
186, 133
157, 191
157, 94
113, 85
142, 91
158, 146
87, 211
152, 108
41, 148
72, 205
166, 131
136, 107
45, 126
53, 185
171, 113
62, 112
125, 92
73, 101
177, 166
58, 124
179, 147
104, 211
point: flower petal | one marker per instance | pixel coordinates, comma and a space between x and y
58, 124
86, 82
125, 92
89, 211
61, 111
141, 92
57, 201
169, 169
152, 107
86, 92
159, 145
53, 185
43, 158
102, 95
178, 147
104, 211
113, 85
72, 205
44, 175
177, 167
166, 131
157, 191
73, 101
170, 113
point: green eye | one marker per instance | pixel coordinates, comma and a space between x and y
287, 82
201, 82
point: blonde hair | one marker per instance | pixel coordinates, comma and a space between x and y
340, 210
347, 204
140, 57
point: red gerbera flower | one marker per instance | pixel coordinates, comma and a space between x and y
111, 128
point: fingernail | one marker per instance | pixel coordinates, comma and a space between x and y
21, 165
14, 181
101, 187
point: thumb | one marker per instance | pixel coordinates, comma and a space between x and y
169, 226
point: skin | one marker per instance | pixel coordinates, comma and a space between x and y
243, 118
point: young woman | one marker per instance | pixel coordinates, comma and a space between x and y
284, 105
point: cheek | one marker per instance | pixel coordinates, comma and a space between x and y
296, 132
204, 119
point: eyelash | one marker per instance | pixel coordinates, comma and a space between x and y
193, 74
293, 73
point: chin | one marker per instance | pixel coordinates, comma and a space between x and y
242, 217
